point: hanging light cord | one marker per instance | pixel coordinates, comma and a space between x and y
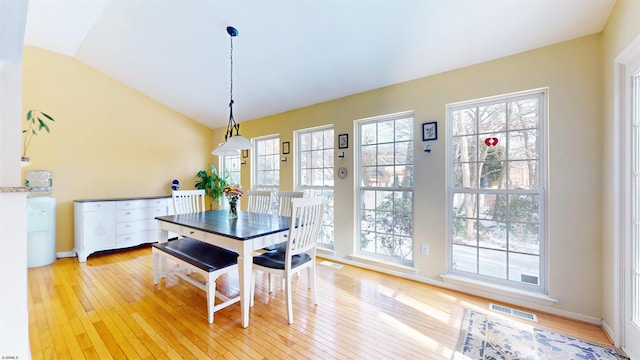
232, 122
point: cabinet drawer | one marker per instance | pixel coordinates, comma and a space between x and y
127, 240
156, 202
130, 204
156, 211
130, 227
130, 215
98, 205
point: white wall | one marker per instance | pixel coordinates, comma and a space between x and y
14, 317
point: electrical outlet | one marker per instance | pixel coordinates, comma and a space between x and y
424, 249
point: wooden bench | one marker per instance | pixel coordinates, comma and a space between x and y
196, 256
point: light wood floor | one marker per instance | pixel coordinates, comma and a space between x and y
109, 308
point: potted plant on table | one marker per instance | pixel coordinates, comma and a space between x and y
213, 185
37, 121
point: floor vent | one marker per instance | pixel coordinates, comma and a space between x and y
513, 312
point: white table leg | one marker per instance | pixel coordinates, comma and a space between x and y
245, 262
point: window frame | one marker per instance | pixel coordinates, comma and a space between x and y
542, 192
307, 189
359, 188
226, 159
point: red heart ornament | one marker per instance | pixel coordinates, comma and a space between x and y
491, 141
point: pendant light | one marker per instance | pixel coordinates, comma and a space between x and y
232, 143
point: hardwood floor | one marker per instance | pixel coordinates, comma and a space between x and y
108, 308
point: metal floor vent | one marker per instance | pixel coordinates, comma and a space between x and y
513, 312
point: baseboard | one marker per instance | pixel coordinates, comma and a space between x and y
65, 254
610, 333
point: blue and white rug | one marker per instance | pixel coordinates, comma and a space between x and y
487, 337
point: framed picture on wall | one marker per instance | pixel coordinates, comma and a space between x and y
343, 141
245, 153
286, 147
430, 131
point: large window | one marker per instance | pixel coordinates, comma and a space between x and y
266, 162
496, 189
384, 153
315, 173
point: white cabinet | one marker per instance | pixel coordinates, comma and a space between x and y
105, 224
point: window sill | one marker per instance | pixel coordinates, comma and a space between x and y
482, 288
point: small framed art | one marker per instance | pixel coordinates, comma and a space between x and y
343, 141
286, 147
245, 153
430, 131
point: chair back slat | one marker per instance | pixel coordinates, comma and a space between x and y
258, 201
306, 221
284, 197
188, 201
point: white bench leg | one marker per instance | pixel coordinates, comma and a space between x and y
211, 297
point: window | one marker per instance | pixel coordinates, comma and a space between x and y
315, 173
230, 166
385, 187
496, 189
266, 162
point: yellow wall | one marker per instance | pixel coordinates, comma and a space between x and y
571, 71
108, 141
622, 28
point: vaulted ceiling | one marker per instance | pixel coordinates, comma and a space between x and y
293, 53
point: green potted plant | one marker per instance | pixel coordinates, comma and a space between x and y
213, 185
36, 122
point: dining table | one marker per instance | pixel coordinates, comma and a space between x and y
248, 232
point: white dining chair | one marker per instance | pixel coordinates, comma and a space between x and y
188, 201
258, 201
284, 198
300, 254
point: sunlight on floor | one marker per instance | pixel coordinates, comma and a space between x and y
416, 304
410, 332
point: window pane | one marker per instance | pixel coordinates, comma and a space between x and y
493, 118
464, 258
523, 145
464, 122
465, 148
464, 175
464, 205
523, 114
524, 268
523, 175
493, 263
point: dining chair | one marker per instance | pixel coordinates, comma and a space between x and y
258, 201
188, 201
300, 254
284, 197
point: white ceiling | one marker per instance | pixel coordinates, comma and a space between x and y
293, 53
